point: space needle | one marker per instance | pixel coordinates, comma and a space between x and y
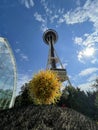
50, 37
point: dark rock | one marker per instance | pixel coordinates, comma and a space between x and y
44, 118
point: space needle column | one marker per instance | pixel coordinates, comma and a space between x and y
52, 56
50, 37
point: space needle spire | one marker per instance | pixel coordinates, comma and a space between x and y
50, 37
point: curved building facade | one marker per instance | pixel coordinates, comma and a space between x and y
8, 75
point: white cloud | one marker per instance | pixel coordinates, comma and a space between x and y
93, 77
88, 47
95, 60
85, 53
44, 27
21, 55
46, 7
90, 39
17, 50
88, 71
28, 3
81, 14
32, 3
38, 17
47, 14
86, 87
78, 16
24, 57
53, 18
88, 12
89, 51
78, 40
51, 15
42, 20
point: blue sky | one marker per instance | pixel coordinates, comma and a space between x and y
23, 22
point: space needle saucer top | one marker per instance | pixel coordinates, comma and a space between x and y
49, 35
7, 75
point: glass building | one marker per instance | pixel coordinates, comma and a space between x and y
7, 75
